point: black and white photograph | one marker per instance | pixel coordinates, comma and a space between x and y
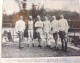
40, 28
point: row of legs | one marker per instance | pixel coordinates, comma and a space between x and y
63, 41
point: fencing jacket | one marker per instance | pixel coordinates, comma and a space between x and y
63, 25
30, 25
20, 26
55, 26
47, 26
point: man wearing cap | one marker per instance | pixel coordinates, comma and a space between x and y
63, 31
20, 27
55, 31
47, 29
39, 27
30, 30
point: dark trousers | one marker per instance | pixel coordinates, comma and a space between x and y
55, 36
63, 40
10, 38
39, 38
21, 35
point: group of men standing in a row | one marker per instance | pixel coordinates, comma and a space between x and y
43, 30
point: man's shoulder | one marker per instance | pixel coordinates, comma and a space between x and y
36, 22
17, 21
60, 19
53, 21
48, 21
44, 22
41, 22
22, 21
65, 19
28, 21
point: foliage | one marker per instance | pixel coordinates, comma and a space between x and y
70, 16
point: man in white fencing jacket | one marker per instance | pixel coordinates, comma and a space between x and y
20, 27
55, 31
39, 27
63, 31
30, 30
47, 29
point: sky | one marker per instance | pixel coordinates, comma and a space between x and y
10, 6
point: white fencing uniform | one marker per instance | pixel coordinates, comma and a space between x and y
39, 25
63, 25
47, 26
54, 26
20, 27
63, 30
30, 29
47, 29
55, 31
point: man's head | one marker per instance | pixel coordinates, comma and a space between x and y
46, 18
21, 17
61, 16
54, 17
38, 17
30, 18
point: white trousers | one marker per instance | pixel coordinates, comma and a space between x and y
47, 36
40, 32
30, 36
30, 33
